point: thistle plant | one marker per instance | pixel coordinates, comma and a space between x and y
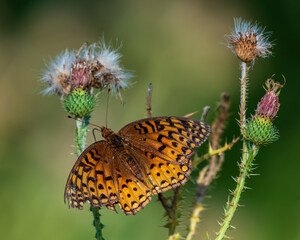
78, 77
249, 41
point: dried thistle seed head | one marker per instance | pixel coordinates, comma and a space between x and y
115, 79
249, 41
111, 75
94, 66
58, 74
107, 71
269, 103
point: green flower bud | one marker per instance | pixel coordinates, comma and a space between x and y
79, 103
261, 131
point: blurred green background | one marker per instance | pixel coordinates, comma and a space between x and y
176, 45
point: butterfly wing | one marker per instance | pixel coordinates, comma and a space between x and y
165, 145
134, 191
93, 178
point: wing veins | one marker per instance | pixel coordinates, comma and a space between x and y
150, 149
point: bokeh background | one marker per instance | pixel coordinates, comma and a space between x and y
176, 45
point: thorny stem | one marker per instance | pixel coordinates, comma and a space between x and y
194, 219
216, 155
205, 112
217, 129
81, 132
244, 69
170, 205
212, 152
249, 153
98, 225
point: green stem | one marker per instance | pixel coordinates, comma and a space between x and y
98, 225
170, 204
249, 153
244, 69
81, 133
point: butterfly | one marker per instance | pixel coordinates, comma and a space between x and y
144, 158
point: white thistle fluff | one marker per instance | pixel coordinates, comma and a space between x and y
110, 59
58, 70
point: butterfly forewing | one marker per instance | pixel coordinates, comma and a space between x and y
171, 138
166, 145
92, 178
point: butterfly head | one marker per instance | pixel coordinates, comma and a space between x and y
106, 132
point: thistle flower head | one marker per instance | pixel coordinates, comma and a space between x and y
95, 66
74, 74
79, 103
261, 131
249, 41
269, 103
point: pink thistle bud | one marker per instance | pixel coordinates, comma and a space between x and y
269, 104
81, 75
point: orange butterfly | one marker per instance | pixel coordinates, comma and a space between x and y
144, 158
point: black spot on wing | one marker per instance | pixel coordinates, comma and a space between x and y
162, 148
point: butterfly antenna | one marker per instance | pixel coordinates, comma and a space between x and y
107, 107
91, 124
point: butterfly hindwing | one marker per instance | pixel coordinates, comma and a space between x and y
133, 188
162, 174
171, 138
